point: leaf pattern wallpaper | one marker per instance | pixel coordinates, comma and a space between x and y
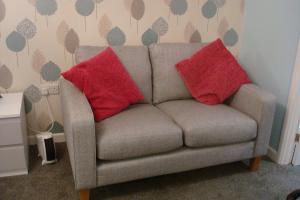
178, 7
2, 10
27, 29
161, 27
38, 38
46, 8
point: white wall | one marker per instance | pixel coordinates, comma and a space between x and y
269, 44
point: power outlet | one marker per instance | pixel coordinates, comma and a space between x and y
50, 89
53, 89
44, 89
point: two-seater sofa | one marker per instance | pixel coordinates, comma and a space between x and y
169, 131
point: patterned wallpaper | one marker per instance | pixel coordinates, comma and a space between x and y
38, 38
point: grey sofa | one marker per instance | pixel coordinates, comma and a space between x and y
169, 131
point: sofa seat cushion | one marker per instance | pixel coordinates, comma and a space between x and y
205, 125
140, 130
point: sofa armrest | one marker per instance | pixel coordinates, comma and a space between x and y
79, 129
260, 105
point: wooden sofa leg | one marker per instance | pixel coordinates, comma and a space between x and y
84, 194
254, 163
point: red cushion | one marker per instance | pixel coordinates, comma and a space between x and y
106, 84
212, 74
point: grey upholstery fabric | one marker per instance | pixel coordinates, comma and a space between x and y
141, 130
80, 135
110, 172
205, 125
143, 141
83, 53
134, 58
260, 105
167, 83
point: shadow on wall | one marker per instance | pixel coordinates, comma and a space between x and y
258, 59
277, 126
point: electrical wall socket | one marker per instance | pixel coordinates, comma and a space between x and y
50, 89
44, 89
53, 89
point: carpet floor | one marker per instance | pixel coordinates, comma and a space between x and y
230, 181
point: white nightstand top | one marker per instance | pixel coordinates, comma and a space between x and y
10, 105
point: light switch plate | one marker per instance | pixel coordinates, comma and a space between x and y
44, 89
53, 89
50, 89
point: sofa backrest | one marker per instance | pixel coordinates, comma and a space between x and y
134, 58
167, 83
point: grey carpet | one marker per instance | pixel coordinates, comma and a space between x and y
230, 181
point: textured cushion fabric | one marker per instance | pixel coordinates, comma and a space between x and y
212, 74
140, 130
134, 58
205, 125
167, 84
106, 84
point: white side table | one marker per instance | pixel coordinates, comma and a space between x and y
13, 136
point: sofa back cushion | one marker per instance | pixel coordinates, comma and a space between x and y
134, 58
167, 83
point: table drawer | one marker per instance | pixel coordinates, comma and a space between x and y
12, 159
10, 131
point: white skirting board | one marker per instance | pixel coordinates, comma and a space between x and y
13, 173
272, 154
58, 137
